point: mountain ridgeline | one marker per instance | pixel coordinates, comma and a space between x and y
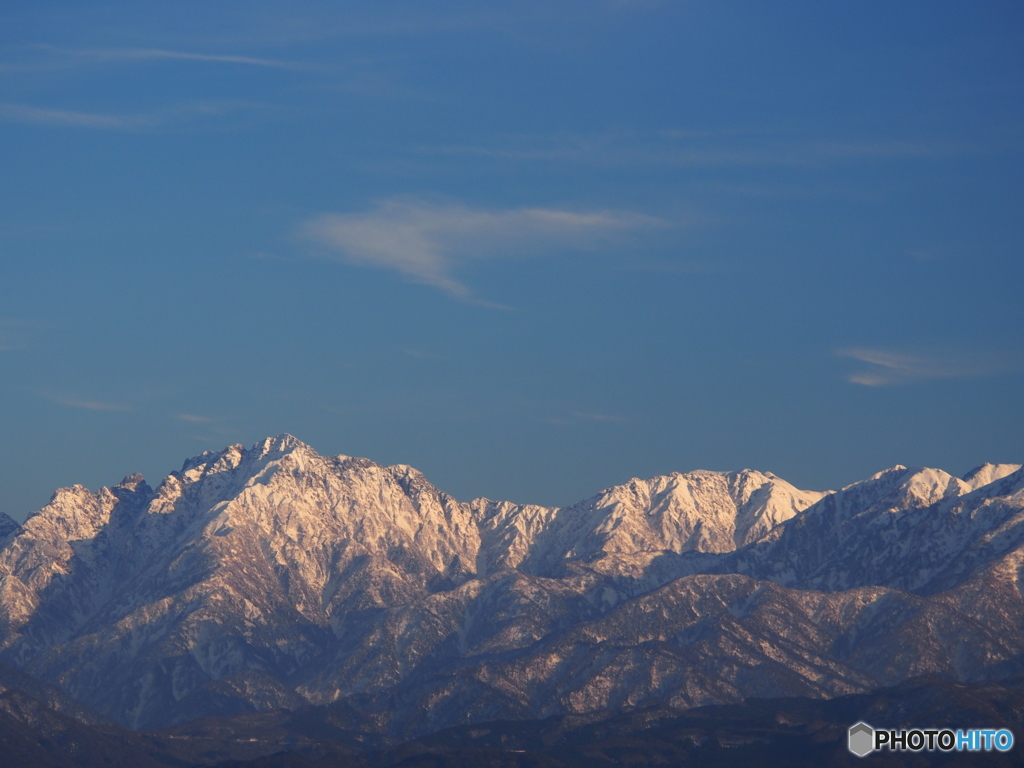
273, 577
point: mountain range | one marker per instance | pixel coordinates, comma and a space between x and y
273, 578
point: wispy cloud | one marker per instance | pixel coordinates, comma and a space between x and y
26, 113
691, 149
51, 57
886, 367
143, 54
193, 418
425, 242
72, 401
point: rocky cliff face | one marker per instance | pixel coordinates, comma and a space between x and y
272, 577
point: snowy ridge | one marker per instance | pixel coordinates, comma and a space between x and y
988, 473
272, 576
916, 529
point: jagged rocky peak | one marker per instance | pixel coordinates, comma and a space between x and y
311, 515
73, 513
268, 450
216, 476
134, 482
989, 473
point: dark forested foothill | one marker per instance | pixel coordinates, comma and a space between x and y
794, 732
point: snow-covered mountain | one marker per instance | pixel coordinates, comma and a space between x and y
273, 577
918, 529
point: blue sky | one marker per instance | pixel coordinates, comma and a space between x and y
533, 249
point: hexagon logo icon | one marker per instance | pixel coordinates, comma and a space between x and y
861, 739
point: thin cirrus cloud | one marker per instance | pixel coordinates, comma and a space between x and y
887, 368
426, 242
26, 113
192, 418
697, 150
56, 58
143, 54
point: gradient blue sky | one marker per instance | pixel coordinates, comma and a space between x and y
531, 248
